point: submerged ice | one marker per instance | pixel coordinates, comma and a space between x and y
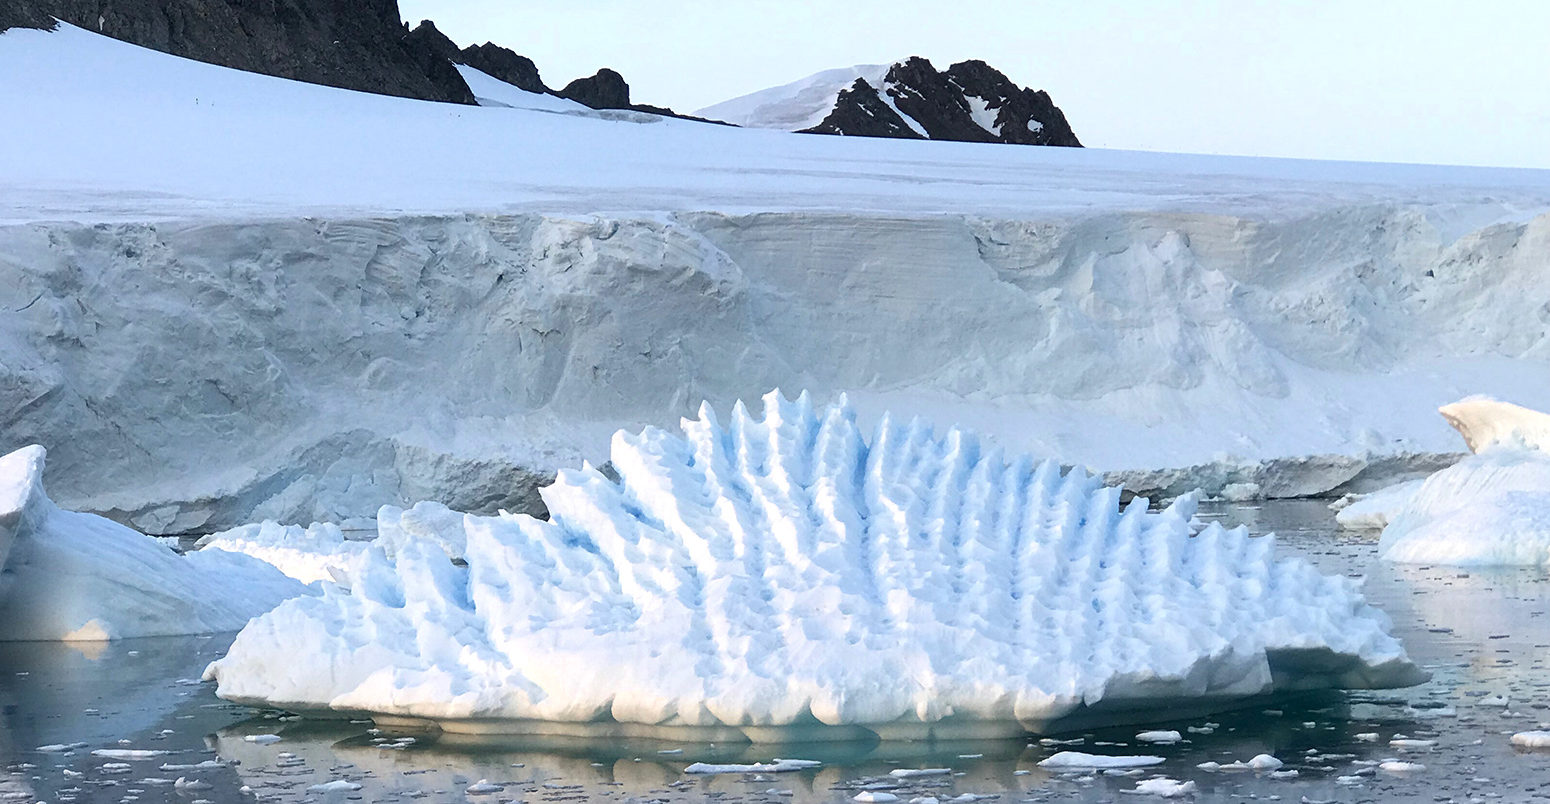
66, 575
787, 575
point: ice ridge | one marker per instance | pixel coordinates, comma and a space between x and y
786, 575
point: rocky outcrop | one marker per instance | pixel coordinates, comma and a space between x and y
969, 102
505, 64
351, 44
605, 90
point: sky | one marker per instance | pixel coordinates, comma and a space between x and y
1369, 80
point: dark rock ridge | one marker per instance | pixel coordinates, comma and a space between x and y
969, 102
351, 44
606, 89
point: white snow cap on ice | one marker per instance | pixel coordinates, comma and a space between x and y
787, 573
1492, 507
72, 576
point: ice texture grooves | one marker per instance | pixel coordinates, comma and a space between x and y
787, 573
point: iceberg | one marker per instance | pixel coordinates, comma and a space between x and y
787, 578
1490, 509
66, 575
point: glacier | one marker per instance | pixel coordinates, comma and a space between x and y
1491, 508
368, 321
786, 577
71, 576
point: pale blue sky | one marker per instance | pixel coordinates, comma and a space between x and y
1379, 80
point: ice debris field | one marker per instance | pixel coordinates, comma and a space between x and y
788, 577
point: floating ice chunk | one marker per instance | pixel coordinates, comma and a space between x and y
778, 573
262, 739
1264, 762
1366, 737
483, 787
1487, 423
1159, 737
1398, 766
59, 748
1076, 760
317, 552
914, 773
1375, 510
1489, 509
874, 796
1532, 739
1410, 744
778, 766
1165, 787
75, 576
334, 786
127, 753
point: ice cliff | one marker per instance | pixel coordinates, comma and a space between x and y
1493, 507
786, 575
229, 298
71, 576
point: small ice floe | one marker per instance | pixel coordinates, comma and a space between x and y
1411, 745
1164, 787
128, 753
969, 798
1201, 729
1349, 779
874, 796
1366, 737
262, 739
209, 764
970, 756
1076, 760
335, 786
483, 787
1283, 774
1124, 773
1400, 766
775, 791
1259, 764
1049, 741
185, 783
59, 748
778, 766
1531, 739
1163, 737
913, 773
1500, 701
670, 751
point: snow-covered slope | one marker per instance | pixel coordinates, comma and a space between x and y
969, 102
783, 576
74, 576
375, 301
796, 106
491, 91
1493, 507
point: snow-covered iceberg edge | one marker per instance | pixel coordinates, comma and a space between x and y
1490, 509
66, 575
785, 577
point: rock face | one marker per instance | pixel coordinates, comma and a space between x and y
969, 102
503, 63
352, 44
605, 90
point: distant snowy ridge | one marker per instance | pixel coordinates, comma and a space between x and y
969, 102
787, 576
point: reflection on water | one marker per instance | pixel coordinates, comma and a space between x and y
1483, 634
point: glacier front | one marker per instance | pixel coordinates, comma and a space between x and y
785, 577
